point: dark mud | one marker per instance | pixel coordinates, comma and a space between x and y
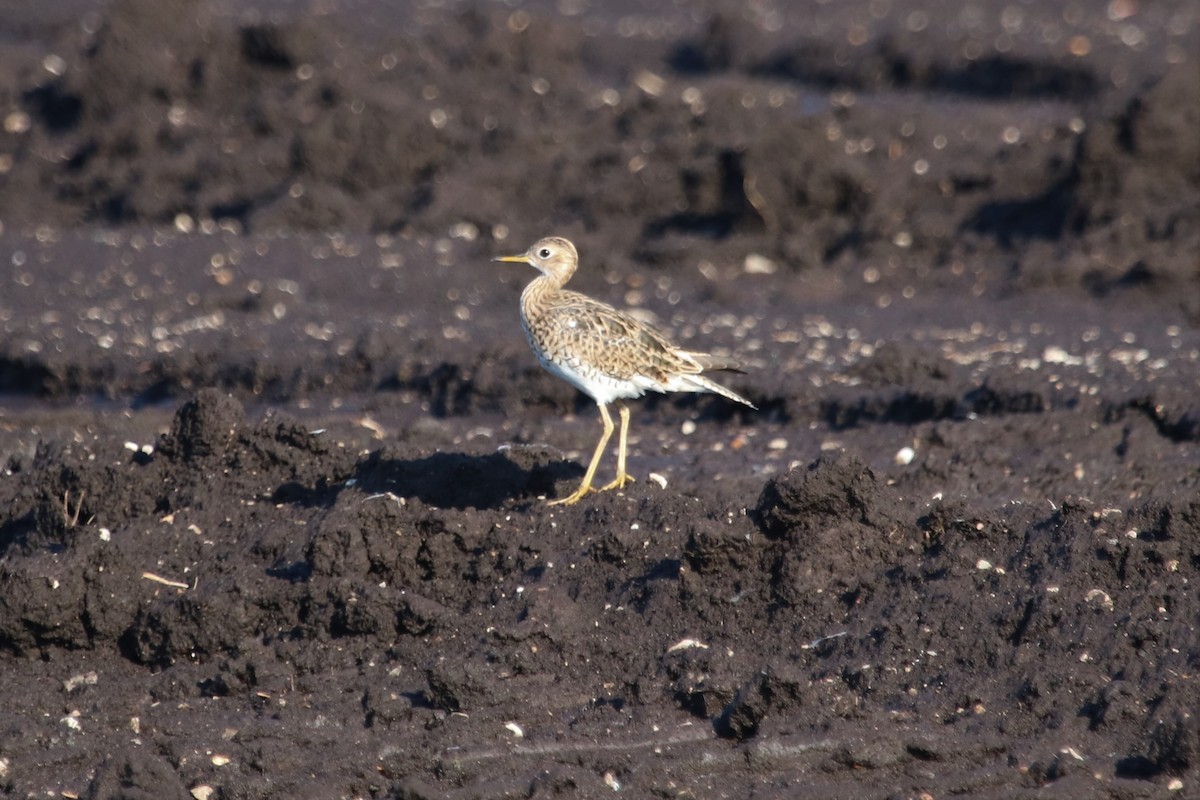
275, 455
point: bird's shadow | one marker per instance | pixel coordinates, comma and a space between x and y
449, 480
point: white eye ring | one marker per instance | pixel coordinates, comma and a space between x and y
544, 252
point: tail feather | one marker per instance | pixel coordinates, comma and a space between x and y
707, 361
699, 383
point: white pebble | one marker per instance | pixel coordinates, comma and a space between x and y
687, 644
1053, 354
905, 455
54, 64
650, 83
756, 264
1103, 597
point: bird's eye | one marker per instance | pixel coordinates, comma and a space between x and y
544, 252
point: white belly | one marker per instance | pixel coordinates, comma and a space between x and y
601, 388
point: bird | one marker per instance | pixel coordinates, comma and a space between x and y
604, 352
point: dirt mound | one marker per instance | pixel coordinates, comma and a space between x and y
236, 549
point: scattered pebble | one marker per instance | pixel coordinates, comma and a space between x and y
219, 760
650, 83
515, 729
756, 264
82, 679
17, 122
661, 480
202, 792
777, 444
983, 565
905, 455
687, 644
1057, 355
54, 64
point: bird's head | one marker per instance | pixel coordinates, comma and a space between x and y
553, 256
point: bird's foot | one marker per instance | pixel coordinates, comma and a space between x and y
573, 498
619, 482
584, 490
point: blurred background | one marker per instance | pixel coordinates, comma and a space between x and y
994, 145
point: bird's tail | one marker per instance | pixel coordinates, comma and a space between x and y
707, 361
699, 383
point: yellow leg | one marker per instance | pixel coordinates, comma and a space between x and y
623, 477
586, 486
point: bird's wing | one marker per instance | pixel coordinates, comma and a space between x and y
708, 361
623, 345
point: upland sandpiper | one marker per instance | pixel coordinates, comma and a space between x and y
605, 353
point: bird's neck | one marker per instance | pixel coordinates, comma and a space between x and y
538, 290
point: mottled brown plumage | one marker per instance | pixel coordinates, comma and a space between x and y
602, 351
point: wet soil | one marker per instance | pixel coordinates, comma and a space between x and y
275, 456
